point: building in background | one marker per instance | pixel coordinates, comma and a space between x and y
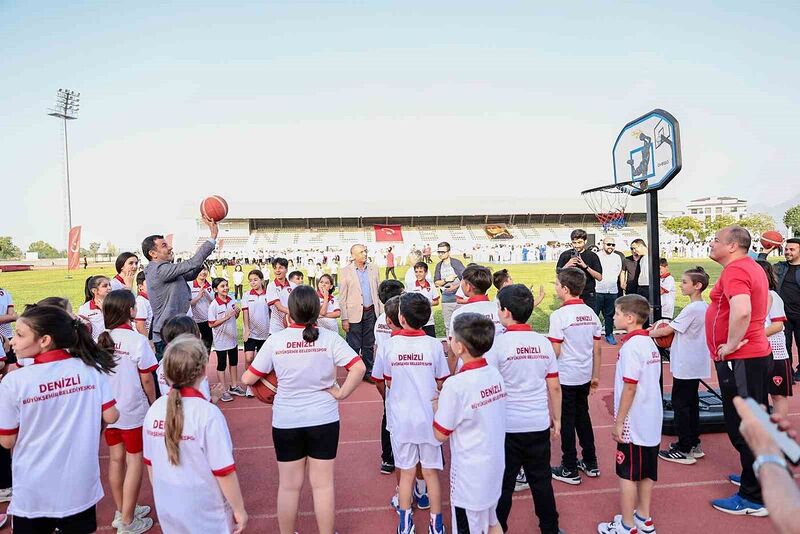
712, 207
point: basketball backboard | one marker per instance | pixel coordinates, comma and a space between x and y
647, 151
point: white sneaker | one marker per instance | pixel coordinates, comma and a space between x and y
5, 495
645, 526
521, 484
697, 451
249, 392
615, 527
137, 526
141, 510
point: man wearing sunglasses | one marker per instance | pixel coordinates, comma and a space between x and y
608, 288
447, 277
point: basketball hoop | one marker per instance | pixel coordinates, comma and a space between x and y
608, 202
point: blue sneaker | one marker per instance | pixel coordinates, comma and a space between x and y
406, 523
736, 480
611, 340
736, 505
436, 526
421, 499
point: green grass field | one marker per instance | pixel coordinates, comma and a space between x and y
31, 286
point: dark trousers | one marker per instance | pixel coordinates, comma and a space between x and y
237, 292
361, 338
5, 468
386, 442
390, 270
590, 299
791, 328
531, 451
686, 405
605, 307
206, 334
575, 419
746, 378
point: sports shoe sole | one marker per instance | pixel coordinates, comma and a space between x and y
521, 487
570, 481
237, 394
591, 473
689, 460
698, 455
762, 512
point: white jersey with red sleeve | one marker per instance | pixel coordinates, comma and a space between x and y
199, 310
689, 357
187, 495
776, 314
576, 327
257, 313
329, 323
134, 357
639, 363
278, 291
6, 306
92, 316
119, 283
54, 406
667, 283
472, 411
481, 305
431, 293
305, 369
526, 360
414, 362
225, 334
144, 311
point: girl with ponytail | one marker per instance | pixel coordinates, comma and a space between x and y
91, 311
64, 395
305, 414
188, 450
134, 388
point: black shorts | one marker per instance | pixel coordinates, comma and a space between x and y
319, 442
206, 334
231, 356
780, 379
80, 523
253, 345
636, 462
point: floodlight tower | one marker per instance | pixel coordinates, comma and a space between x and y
66, 108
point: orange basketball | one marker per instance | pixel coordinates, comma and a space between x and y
771, 239
666, 341
214, 208
266, 388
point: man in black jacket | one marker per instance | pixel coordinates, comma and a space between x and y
585, 260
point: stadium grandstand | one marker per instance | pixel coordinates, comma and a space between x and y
255, 229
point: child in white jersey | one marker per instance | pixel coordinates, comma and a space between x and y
183, 324
415, 369
329, 309
134, 390
475, 281
222, 315
74, 370
188, 450
780, 384
384, 327
144, 311
533, 405
471, 413
689, 362
575, 333
255, 317
278, 296
667, 284
430, 291
91, 311
202, 295
638, 414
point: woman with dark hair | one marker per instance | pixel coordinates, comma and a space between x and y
305, 415
73, 368
127, 265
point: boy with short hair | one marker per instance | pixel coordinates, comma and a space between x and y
638, 416
278, 296
415, 369
144, 311
385, 325
667, 290
431, 292
471, 413
528, 364
296, 277
575, 333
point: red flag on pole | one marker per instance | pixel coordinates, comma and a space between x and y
74, 248
168, 239
388, 232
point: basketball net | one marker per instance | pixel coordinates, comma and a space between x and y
608, 204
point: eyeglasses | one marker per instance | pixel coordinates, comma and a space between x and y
442, 251
611, 244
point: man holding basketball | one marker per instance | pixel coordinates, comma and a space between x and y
167, 281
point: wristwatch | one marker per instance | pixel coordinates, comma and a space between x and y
762, 459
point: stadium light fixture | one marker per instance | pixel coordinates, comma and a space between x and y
66, 108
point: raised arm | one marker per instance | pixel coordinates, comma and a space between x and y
189, 269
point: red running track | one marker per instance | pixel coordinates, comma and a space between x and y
680, 500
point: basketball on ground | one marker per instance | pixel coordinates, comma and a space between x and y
666, 341
214, 207
265, 389
771, 239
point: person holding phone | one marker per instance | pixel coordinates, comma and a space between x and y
584, 259
447, 277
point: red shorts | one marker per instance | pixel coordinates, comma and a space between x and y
131, 439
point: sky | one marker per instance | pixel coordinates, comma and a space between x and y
337, 101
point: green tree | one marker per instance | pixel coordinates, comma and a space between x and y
712, 226
757, 223
94, 248
8, 249
45, 250
685, 226
111, 249
792, 219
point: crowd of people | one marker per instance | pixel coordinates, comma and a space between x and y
131, 364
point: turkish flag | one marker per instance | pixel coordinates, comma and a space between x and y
388, 232
74, 248
168, 239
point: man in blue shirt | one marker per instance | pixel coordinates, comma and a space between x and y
358, 299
